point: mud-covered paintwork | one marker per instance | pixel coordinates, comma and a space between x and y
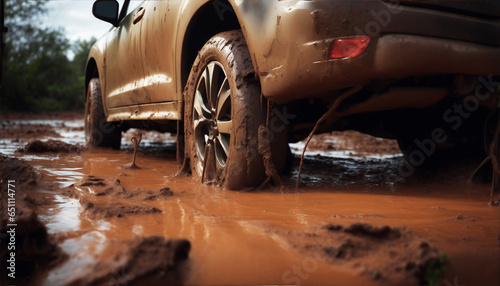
141, 64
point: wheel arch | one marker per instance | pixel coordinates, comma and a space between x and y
211, 18
91, 72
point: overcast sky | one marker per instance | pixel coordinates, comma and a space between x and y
75, 16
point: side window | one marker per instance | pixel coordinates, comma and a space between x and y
133, 4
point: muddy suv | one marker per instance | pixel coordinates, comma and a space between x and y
239, 79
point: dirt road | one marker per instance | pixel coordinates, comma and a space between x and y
109, 220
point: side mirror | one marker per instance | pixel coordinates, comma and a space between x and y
106, 10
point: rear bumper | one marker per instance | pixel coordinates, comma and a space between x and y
390, 57
408, 42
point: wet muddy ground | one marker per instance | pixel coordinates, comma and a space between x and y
356, 220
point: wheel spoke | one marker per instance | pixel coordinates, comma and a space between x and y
224, 101
221, 152
225, 126
213, 76
207, 81
201, 110
224, 143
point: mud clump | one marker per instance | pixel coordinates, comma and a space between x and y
92, 191
115, 209
145, 261
35, 250
25, 177
366, 230
164, 192
50, 146
394, 255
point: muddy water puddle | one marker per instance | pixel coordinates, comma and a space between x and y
241, 237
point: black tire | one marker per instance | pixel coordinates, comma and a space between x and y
99, 132
230, 119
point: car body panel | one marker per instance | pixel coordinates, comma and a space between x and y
290, 44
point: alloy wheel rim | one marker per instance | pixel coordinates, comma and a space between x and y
212, 119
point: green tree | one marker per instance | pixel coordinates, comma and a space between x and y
37, 74
81, 49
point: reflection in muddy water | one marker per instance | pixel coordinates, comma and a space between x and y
233, 235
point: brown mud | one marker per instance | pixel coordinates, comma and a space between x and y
52, 146
269, 236
92, 188
149, 260
360, 247
144, 261
21, 230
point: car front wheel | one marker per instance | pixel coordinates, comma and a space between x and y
99, 132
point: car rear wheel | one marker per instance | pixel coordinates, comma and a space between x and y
223, 112
99, 132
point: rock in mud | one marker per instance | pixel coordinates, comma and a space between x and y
35, 250
144, 261
391, 255
50, 146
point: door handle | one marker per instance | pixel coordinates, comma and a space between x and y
138, 15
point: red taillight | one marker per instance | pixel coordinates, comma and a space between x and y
349, 47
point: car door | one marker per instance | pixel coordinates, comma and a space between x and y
139, 58
122, 62
157, 58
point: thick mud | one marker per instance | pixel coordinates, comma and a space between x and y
24, 234
49, 146
356, 220
117, 201
143, 261
389, 255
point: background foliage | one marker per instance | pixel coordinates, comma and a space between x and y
37, 74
